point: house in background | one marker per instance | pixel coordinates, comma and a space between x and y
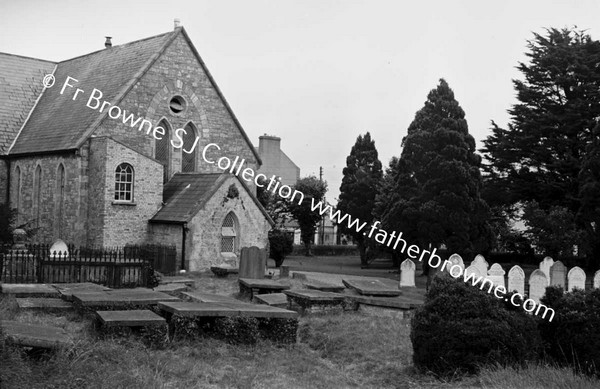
275, 162
78, 174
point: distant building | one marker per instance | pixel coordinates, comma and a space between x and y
275, 161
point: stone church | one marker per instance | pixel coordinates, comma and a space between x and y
79, 174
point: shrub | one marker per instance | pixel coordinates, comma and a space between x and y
328, 250
460, 327
573, 336
281, 244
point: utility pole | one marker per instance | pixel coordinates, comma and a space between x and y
322, 234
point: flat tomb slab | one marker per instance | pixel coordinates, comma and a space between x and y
323, 286
171, 288
400, 302
256, 283
130, 318
374, 287
51, 304
176, 280
119, 297
279, 300
208, 297
34, 335
66, 290
223, 271
314, 295
29, 290
224, 309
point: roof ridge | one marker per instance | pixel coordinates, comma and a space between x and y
27, 57
122, 45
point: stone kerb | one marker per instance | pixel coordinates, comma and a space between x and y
576, 278
545, 266
558, 274
481, 264
537, 285
496, 274
407, 273
516, 279
253, 262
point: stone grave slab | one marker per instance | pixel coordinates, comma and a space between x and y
455, 260
324, 286
176, 280
496, 274
373, 287
312, 301
253, 286
44, 304
207, 297
171, 289
121, 298
34, 335
278, 300
29, 290
253, 262
66, 290
537, 285
596, 282
130, 318
516, 280
558, 274
407, 273
545, 266
224, 271
576, 278
481, 264
224, 309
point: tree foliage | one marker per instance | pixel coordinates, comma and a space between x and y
432, 193
362, 176
314, 191
589, 195
8, 218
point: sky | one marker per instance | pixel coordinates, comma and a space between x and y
319, 73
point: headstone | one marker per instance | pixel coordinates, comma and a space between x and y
253, 262
558, 274
545, 266
473, 270
576, 278
496, 274
481, 264
407, 273
455, 259
60, 248
516, 279
537, 285
597, 280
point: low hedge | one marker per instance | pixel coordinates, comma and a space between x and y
459, 328
327, 250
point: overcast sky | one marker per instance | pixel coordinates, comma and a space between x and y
318, 73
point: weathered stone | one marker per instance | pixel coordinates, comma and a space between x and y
251, 287
558, 274
171, 289
324, 286
481, 264
313, 301
59, 249
34, 335
253, 262
597, 279
576, 278
473, 270
44, 304
374, 287
29, 290
407, 273
130, 318
224, 309
516, 280
545, 266
278, 300
455, 260
207, 297
538, 281
496, 274
66, 290
121, 298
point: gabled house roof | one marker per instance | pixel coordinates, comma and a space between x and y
186, 194
59, 124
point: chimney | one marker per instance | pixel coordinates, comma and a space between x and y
177, 23
108, 43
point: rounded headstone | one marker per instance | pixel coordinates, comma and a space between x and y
576, 278
59, 248
516, 279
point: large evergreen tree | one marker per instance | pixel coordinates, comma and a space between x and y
362, 176
589, 194
437, 182
538, 158
314, 191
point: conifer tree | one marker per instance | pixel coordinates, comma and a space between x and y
362, 176
314, 191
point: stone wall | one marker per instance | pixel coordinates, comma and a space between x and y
3, 181
72, 226
167, 234
204, 237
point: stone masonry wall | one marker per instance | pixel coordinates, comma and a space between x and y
204, 238
167, 234
3, 180
178, 72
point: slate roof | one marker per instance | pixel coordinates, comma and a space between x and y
186, 193
57, 122
20, 86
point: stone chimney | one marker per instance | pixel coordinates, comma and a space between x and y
108, 43
177, 23
269, 144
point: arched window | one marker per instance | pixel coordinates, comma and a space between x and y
229, 234
189, 149
124, 182
60, 198
37, 195
161, 149
18, 193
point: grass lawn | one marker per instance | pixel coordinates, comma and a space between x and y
348, 350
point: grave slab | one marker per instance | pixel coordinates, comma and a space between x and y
130, 318
224, 309
374, 287
121, 297
207, 297
224, 271
313, 301
323, 286
278, 300
66, 290
29, 290
171, 289
44, 304
176, 280
33, 335
253, 286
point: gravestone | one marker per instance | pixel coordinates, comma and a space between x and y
60, 248
473, 270
558, 274
576, 278
253, 262
537, 285
455, 259
545, 266
516, 279
596, 283
481, 264
496, 274
407, 273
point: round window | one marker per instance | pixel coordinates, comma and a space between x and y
177, 105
